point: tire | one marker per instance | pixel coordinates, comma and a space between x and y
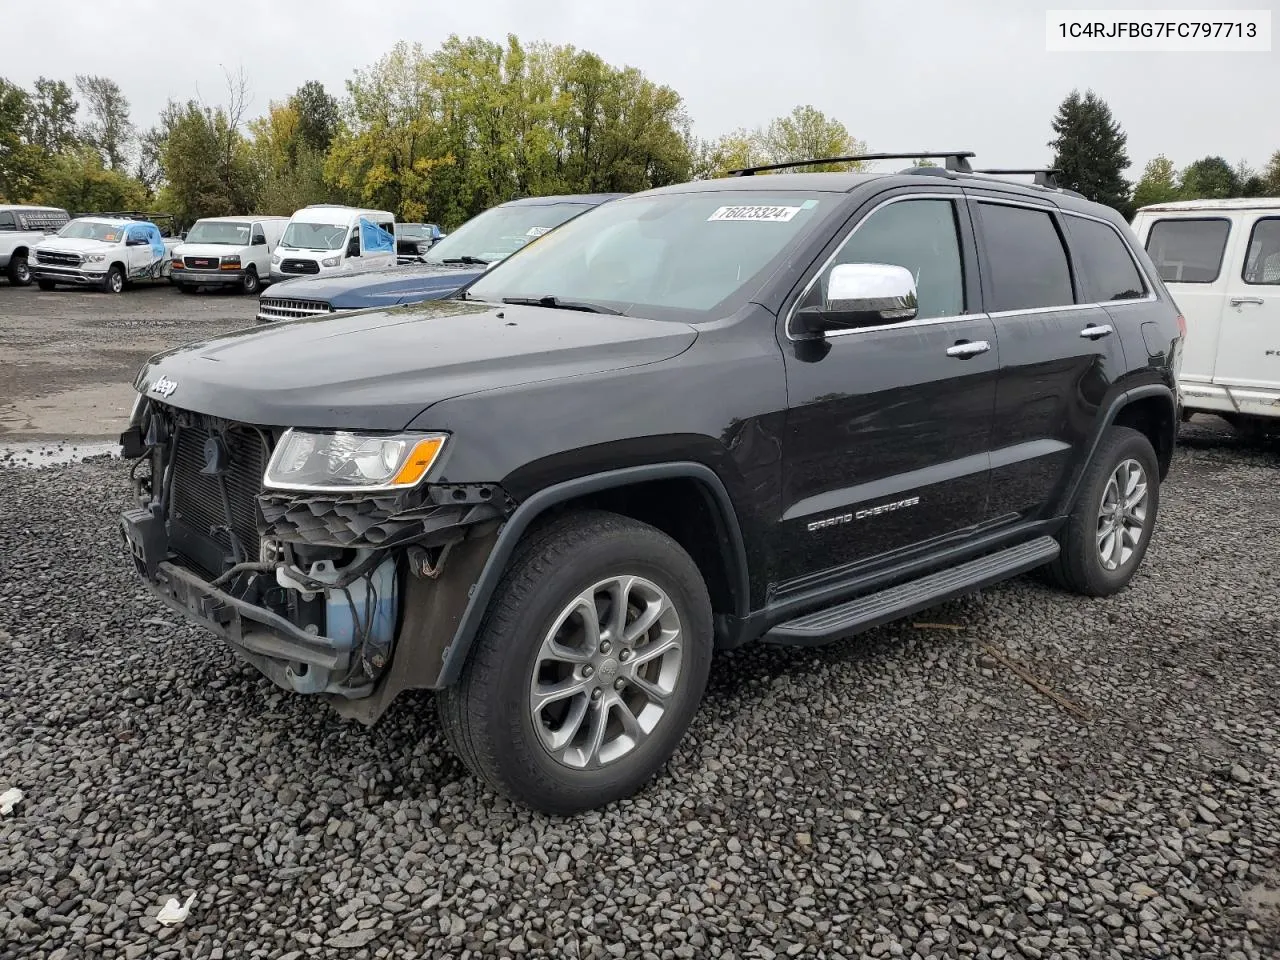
488, 715
19, 271
250, 284
113, 282
46, 284
1080, 567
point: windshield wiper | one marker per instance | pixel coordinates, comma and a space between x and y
467, 260
557, 304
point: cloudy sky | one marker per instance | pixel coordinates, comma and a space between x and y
901, 74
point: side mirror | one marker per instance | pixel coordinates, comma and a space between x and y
259, 241
860, 295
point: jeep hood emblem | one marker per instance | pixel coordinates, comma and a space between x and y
164, 387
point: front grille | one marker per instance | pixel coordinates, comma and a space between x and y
299, 266
270, 308
58, 259
198, 504
201, 263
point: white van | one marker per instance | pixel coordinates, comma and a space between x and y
1221, 262
227, 250
324, 238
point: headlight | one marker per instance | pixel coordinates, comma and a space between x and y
275, 258
339, 462
95, 257
330, 261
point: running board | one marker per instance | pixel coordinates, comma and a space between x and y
873, 610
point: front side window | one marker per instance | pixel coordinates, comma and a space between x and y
1188, 251
687, 256
1262, 263
7, 221
258, 235
1107, 270
920, 235
1025, 259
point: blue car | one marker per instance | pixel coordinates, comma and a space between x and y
446, 267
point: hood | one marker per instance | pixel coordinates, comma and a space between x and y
73, 245
380, 287
379, 369
208, 250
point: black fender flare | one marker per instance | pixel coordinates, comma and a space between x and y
481, 592
1118, 403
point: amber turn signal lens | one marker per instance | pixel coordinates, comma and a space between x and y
418, 462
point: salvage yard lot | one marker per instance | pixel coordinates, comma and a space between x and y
902, 793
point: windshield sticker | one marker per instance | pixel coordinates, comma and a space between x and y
537, 231
768, 214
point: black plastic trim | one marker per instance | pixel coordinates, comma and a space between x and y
513, 529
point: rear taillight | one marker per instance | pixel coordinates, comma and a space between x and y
1182, 326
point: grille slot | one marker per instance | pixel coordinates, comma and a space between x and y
270, 308
197, 498
299, 266
58, 259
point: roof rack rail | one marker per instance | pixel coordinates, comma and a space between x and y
957, 160
1044, 176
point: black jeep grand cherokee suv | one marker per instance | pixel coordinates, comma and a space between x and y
783, 408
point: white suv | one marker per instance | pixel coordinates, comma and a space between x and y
1221, 261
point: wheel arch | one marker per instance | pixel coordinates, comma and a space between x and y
1152, 410
634, 492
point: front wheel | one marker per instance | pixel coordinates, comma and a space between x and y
1110, 527
588, 668
19, 270
114, 280
250, 284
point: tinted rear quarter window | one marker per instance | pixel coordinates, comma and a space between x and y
1187, 250
1025, 259
1107, 270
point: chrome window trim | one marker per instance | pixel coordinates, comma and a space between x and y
927, 321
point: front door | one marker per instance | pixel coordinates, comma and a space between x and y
138, 251
888, 426
1249, 341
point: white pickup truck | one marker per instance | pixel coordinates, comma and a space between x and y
105, 251
21, 228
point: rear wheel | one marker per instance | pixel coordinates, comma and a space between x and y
250, 284
1110, 527
45, 284
19, 270
588, 668
114, 280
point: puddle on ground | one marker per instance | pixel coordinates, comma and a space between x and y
53, 454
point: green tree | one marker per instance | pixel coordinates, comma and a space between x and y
208, 167
1271, 176
289, 169
109, 128
19, 159
318, 115
1089, 150
52, 117
807, 133
1159, 183
1209, 178
77, 180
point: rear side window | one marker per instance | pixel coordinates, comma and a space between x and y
1262, 263
1107, 271
1187, 250
1025, 259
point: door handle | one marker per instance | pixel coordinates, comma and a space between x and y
1096, 333
968, 348
1236, 301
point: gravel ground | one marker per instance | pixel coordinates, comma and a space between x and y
904, 794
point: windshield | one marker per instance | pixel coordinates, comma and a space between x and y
92, 230
416, 231
668, 256
501, 231
315, 236
219, 231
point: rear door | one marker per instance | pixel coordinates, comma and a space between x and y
1190, 253
888, 426
1249, 337
1059, 354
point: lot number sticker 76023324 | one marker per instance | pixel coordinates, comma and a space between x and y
767, 214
